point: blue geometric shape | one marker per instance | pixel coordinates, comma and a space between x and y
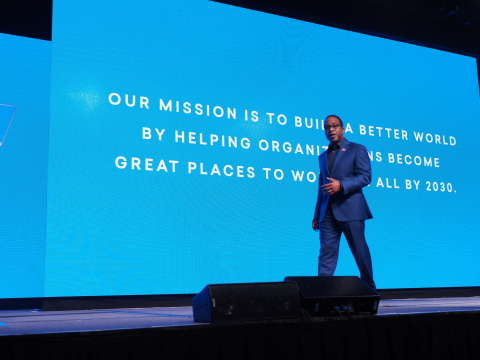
6, 116
3, 325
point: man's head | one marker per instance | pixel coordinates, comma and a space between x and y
334, 130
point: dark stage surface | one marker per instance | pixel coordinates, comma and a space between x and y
441, 328
19, 322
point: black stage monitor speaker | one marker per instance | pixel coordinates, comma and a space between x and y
330, 295
249, 301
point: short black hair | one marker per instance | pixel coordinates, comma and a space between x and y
338, 117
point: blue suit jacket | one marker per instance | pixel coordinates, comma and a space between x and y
353, 169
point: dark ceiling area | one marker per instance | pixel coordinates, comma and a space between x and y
452, 25
30, 18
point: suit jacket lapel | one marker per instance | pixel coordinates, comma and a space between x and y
342, 152
323, 164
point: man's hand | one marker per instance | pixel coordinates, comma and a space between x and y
332, 187
315, 223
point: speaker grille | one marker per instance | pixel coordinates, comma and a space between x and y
247, 301
330, 295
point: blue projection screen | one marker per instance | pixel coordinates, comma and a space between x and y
24, 115
184, 140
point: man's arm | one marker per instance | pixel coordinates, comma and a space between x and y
316, 214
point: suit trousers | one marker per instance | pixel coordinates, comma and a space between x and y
330, 232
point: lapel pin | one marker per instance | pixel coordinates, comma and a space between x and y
344, 149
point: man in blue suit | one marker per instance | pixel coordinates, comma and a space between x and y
341, 206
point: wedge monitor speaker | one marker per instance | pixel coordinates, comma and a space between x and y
247, 301
330, 295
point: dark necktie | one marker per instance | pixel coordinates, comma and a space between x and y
331, 155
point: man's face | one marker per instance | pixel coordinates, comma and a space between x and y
333, 132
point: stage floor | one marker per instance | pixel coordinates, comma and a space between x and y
23, 322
